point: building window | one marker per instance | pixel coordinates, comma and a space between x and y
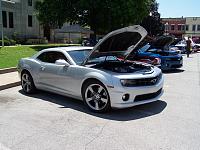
198, 28
166, 27
186, 27
179, 27
183, 27
4, 18
172, 27
30, 21
30, 3
10, 15
193, 27
194, 18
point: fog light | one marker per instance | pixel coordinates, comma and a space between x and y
125, 97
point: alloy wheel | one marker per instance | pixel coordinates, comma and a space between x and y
96, 97
26, 82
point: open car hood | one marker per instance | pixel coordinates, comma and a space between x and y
162, 42
123, 40
176, 41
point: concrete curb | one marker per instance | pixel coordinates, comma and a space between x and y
10, 85
7, 70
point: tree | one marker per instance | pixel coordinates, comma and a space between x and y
52, 14
102, 16
107, 15
152, 23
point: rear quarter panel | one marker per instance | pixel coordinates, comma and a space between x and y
31, 65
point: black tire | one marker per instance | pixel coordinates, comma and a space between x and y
102, 98
27, 83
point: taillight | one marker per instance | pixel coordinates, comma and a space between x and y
156, 61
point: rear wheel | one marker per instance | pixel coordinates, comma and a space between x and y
27, 83
96, 96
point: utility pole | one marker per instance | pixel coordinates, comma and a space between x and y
1, 24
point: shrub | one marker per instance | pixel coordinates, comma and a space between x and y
12, 42
21, 41
36, 41
6, 42
80, 40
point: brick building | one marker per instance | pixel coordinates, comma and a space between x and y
182, 27
174, 26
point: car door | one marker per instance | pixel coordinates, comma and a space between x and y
53, 76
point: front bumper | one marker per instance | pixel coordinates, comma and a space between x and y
137, 95
172, 65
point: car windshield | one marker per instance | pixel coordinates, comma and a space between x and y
79, 55
144, 48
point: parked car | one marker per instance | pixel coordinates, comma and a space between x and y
181, 45
89, 42
159, 48
174, 48
95, 75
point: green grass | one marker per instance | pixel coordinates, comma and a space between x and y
9, 56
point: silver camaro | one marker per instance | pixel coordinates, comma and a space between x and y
102, 76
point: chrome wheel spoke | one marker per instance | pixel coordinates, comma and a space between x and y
25, 86
28, 87
96, 105
24, 78
89, 99
91, 90
104, 100
100, 89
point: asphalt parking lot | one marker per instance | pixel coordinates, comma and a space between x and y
47, 121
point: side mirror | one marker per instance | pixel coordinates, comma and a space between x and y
62, 62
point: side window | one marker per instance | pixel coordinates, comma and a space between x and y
43, 57
60, 55
51, 57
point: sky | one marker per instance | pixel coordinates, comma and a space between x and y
179, 8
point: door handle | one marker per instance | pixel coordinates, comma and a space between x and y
42, 68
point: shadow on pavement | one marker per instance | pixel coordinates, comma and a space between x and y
127, 114
173, 71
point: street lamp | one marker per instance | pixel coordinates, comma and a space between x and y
166, 28
1, 23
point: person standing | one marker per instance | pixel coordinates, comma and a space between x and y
188, 46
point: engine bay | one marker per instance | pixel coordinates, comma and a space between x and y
165, 52
123, 66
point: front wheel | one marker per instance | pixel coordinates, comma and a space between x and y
96, 96
27, 83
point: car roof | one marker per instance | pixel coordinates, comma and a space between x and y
70, 48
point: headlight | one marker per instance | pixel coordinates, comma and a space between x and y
156, 61
128, 82
167, 59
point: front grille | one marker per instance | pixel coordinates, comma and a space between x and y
176, 58
147, 96
148, 81
176, 66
